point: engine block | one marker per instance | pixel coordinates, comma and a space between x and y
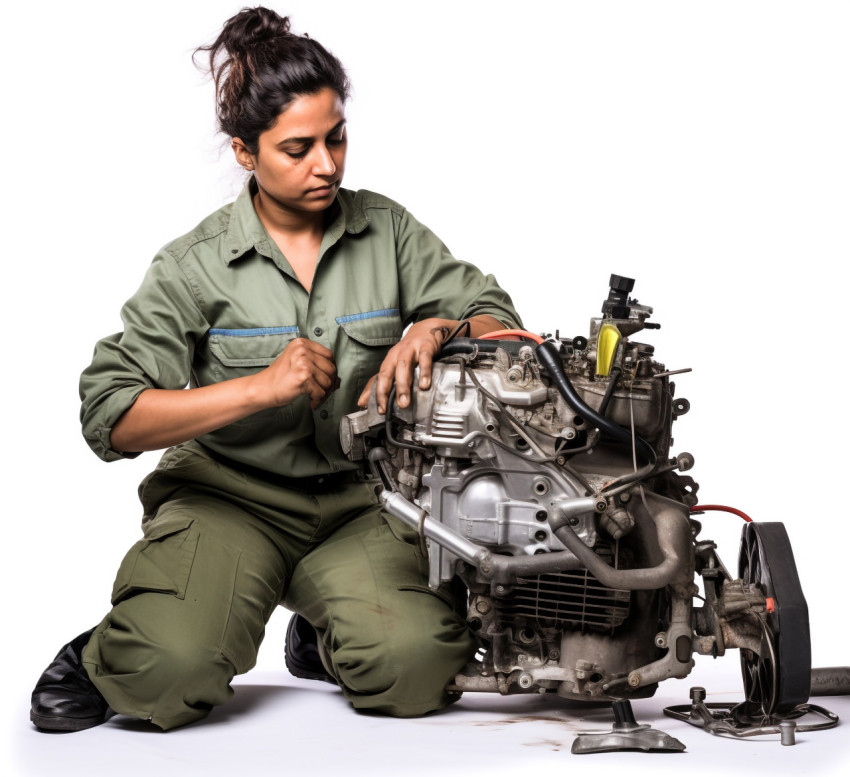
538, 472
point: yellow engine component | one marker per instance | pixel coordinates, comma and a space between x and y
606, 348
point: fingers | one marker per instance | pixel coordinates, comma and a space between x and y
384, 380
307, 367
426, 359
314, 359
314, 351
403, 379
304, 367
418, 347
315, 370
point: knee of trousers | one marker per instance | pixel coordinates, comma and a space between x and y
190, 602
163, 677
406, 673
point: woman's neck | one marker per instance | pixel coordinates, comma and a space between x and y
278, 220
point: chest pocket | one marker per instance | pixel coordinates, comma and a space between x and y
370, 336
235, 353
240, 352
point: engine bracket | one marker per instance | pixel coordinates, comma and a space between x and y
734, 721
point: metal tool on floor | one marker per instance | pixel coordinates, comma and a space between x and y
627, 734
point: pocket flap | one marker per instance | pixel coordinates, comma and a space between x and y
162, 527
250, 347
380, 327
159, 563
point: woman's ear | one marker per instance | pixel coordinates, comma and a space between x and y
244, 157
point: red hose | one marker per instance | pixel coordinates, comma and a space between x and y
510, 334
722, 508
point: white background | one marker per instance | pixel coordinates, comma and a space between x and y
701, 148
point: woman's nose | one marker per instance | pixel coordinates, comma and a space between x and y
323, 164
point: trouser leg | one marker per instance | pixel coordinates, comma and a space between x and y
190, 605
392, 643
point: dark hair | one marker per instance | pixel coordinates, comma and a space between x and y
259, 67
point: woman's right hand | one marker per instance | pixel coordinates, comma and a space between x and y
160, 418
304, 367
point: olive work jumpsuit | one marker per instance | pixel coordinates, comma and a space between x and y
268, 509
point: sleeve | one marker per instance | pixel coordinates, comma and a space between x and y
435, 284
162, 323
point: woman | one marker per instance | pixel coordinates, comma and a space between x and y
277, 310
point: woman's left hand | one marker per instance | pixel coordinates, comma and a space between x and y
419, 346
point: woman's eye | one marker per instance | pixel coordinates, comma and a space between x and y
297, 153
335, 140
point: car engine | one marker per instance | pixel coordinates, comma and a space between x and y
537, 472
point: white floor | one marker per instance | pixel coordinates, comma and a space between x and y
276, 724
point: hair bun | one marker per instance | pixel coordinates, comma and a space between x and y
259, 67
253, 26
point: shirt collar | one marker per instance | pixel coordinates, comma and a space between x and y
245, 231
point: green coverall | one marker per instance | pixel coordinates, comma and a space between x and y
268, 509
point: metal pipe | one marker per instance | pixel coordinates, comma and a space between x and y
491, 566
416, 517
577, 556
830, 681
673, 541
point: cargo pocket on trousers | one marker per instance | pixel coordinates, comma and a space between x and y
160, 563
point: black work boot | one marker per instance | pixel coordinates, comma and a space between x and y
301, 651
64, 699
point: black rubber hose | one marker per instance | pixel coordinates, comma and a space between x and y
465, 345
613, 379
549, 357
388, 428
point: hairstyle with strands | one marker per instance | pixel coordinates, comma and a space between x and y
259, 67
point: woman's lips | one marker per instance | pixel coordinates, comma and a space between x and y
323, 191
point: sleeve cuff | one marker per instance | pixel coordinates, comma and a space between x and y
98, 429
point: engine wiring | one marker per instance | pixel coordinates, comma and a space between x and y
614, 487
607, 491
504, 413
464, 323
539, 455
549, 357
722, 508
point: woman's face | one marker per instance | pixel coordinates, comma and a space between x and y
300, 160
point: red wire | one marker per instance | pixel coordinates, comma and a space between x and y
722, 508
501, 334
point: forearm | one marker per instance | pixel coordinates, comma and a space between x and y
478, 325
481, 325
160, 418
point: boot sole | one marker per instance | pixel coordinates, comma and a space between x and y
296, 669
59, 723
